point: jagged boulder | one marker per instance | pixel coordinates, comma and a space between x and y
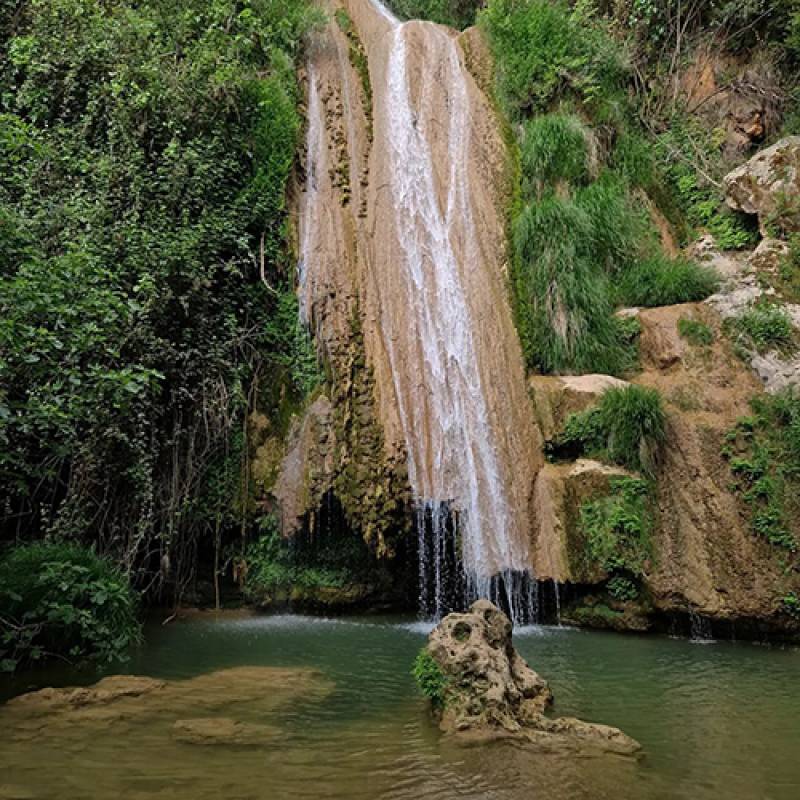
490, 691
768, 185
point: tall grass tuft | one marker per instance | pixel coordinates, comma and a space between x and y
554, 148
660, 281
634, 424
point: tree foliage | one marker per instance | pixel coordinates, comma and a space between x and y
146, 148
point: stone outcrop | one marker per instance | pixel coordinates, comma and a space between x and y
492, 692
768, 185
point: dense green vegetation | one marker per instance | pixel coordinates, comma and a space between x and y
61, 599
317, 568
627, 427
145, 303
616, 531
585, 241
764, 454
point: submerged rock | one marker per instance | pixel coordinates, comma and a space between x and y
222, 730
491, 692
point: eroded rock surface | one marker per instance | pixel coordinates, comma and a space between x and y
492, 692
767, 185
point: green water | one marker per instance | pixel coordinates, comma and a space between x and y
718, 720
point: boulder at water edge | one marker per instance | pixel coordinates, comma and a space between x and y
489, 691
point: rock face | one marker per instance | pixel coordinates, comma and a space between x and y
768, 186
403, 267
491, 692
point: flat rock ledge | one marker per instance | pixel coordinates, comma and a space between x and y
491, 692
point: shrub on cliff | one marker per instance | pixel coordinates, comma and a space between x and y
455, 13
61, 600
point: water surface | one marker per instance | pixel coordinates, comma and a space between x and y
716, 721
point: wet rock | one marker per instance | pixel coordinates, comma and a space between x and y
222, 731
491, 692
768, 185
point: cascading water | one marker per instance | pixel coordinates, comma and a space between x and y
437, 324
452, 460
316, 153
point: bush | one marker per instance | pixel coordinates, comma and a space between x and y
622, 588
617, 532
62, 600
662, 281
695, 332
272, 565
430, 679
764, 326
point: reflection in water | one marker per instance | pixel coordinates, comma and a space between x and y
716, 721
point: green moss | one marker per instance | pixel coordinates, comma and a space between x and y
373, 489
358, 59
430, 679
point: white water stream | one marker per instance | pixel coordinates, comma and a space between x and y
465, 515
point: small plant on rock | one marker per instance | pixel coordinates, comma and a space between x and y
695, 332
431, 681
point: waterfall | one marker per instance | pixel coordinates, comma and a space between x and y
437, 323
452, 458
316, 153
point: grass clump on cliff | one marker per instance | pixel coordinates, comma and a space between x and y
61, 600
430, 679
763, 326
627, 427
764, 455
695, 332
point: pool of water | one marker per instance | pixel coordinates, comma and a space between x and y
719, 720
